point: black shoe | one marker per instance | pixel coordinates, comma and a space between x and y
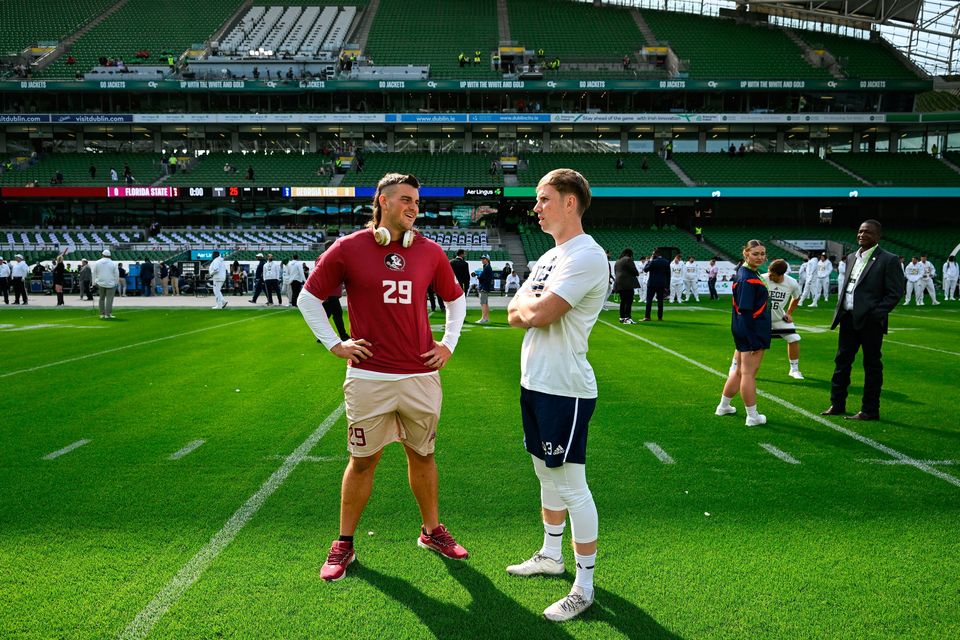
860, 415
833, 411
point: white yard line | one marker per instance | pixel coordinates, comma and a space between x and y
186, 450
932, 463
936, 319
131, 346
920, 346
919, 464
191, 571
779, 453
662, 455
67, 449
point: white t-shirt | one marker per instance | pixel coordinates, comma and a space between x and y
553, 359
217, 270
780, 294
676, 271
912, 271
691, 270
824, 268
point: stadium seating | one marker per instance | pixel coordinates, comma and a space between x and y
76, 169
268, 170
573, 30
719, 48
172, 25
730, 240
434, 32
953, 156
26, 22
600, 169
769, 169
860, 58
936, 243
433, 170
885, 169
937, 101
642, 241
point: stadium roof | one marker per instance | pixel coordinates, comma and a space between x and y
926, 31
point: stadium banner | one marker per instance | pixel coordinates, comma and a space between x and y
755, 192
483, 118
143, 192
317, 192
276, 86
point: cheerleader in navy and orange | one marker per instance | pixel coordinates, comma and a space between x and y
750, 325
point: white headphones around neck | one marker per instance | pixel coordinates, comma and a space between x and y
382, 236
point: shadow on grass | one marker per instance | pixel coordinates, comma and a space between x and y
492, 613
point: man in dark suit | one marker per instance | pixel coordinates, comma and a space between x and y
461, 270
871, 288
658, 283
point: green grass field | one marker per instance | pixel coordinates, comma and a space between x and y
115, 539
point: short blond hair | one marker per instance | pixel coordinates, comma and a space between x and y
569, 181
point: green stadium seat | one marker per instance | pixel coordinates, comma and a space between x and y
762, 169
600, 169
886, 169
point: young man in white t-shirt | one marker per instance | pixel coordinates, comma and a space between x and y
558, 306
784, 297
691, 273
912, 273
676, 280
925, 285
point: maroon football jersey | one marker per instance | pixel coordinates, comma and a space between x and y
386, 295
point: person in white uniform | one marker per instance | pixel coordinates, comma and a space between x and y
912, 273
951, 273
807, 271
218, 274
822, 283
676, 280
691, 273
784, 294
927, 274
106, 274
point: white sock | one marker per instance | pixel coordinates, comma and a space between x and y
725, 401
584, 578
794, 365
752, 411
553, 540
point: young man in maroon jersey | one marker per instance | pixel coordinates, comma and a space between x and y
392, 391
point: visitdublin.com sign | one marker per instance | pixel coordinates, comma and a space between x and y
477, 118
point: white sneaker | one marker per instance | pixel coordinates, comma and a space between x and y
569, 607
753, 422
725, 411
813, 306
795, 374
481, 321
539, 564
216, 306
225, 303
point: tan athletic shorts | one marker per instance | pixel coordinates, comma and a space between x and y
380, 412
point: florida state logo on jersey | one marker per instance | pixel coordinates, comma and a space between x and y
394, 261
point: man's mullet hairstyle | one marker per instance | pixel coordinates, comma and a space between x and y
568, 181
778, 266
388, 181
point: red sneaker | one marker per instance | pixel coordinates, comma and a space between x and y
340, 556
443, 543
